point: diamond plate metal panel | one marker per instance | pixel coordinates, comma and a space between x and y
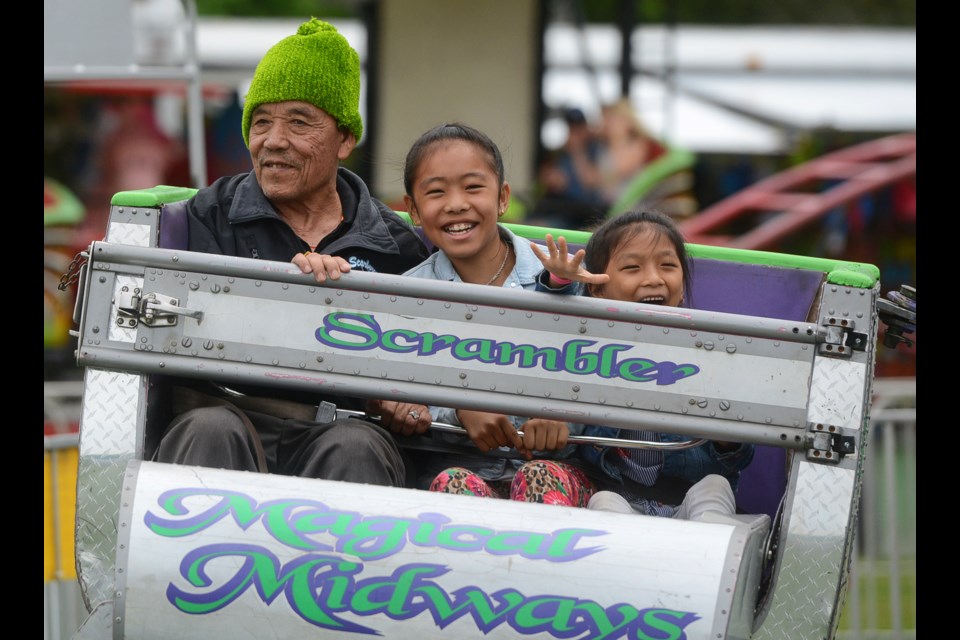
837, 392
821, 503
125, 233
804, 603
111, 402
110, 406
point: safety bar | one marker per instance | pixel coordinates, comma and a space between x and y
445, 427
285, 272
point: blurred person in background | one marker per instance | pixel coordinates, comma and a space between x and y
640, 171
571, 179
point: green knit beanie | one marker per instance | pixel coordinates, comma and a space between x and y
317, 65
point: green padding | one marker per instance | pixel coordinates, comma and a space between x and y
540, 233
861, 276
674, 161
154, 197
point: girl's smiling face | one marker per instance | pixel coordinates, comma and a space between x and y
457, 199
644, 268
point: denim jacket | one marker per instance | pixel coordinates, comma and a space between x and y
690, 465
489, 467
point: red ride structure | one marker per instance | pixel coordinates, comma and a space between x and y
799, 196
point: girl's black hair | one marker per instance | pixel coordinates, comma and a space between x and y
613, 233
450, 131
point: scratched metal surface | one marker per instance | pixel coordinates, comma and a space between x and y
111, 405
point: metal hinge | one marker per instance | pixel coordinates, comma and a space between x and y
152, 309
828, 443
841, 338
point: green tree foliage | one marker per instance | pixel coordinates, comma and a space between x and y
779, 12
786, 12
277, 8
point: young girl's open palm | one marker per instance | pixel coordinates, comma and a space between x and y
564, 267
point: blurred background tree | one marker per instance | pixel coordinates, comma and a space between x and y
875, 13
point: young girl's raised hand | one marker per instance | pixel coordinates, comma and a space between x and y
564, 268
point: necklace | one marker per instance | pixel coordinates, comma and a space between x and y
502, 265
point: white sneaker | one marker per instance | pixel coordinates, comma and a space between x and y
609, 501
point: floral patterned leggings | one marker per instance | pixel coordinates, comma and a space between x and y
537, 481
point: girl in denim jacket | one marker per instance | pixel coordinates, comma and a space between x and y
456, 191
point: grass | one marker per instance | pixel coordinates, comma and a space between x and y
873, 585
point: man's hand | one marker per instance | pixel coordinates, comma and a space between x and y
321, 265
401, 418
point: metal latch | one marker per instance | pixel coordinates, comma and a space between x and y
828, 443
841, 338
152, 309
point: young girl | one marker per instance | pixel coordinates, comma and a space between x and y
455, 190
641, 257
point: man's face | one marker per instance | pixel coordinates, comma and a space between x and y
296, 149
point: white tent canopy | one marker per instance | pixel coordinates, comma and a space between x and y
741, 89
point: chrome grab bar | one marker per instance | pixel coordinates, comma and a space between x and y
593, 440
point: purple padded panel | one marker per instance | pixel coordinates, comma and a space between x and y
173, 226
770, 292
763, 482
754, 289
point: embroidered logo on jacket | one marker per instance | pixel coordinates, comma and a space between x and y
360, 264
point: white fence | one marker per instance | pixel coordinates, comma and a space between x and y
881, 600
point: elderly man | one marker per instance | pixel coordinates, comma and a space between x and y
300, 119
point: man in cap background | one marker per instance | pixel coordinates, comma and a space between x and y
300, 120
